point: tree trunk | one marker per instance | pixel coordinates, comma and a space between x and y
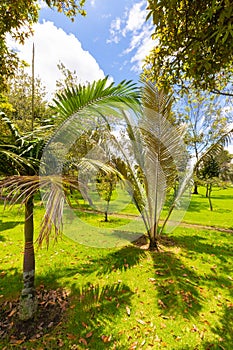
195, 190
105, 216
28, 301
106, 212
209, 198
207, 191
153, 239
153, 244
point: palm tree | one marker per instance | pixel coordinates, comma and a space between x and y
92, 101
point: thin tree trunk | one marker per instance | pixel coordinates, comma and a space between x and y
207, 191
195, 190
28, 302
209, 198
106, 212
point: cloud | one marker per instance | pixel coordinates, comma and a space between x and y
134, 27
115, 31
53, 45
136, 18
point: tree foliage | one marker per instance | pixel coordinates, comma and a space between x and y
193, 41
17, 18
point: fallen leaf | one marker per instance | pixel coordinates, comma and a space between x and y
106, 339
161, 303
151, 279
71, 336
84, 325
12, 312
133, 346
82, 340
128, 310
157, 339
16, 341
141, 321
88, 335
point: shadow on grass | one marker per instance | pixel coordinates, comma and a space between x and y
96, 307
2, 238
92, 308
223, 332
176, 286
8, 225
198, 206
200, 245
123, 259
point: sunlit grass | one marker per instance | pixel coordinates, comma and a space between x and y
126, 298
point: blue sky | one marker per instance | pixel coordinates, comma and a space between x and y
112, 40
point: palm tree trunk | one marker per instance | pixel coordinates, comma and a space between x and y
28, 302
153, 245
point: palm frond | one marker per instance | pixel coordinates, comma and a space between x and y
74, 99
56, 189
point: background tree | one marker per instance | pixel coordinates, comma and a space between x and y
193, 42
17, 18
105, 185
206, 117
20, 95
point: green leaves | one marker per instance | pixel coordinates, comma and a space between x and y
192, 42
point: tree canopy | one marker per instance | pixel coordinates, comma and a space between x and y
193, 41
17, 18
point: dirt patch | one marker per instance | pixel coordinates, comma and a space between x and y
51, 307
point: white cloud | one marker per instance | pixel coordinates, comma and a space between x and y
133, 25
52, 45
115, 31
136, 18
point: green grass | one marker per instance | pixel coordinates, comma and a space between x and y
222, 214
179, 298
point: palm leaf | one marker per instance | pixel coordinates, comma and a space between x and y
98, 93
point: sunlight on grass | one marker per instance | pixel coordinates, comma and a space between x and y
129, 298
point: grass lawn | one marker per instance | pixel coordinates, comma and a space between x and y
129, 298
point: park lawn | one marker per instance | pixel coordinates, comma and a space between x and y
222, 214
126, 297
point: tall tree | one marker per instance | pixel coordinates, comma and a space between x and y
193, 41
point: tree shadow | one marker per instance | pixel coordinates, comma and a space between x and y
2, 238
198, 206
200, 245
121, 260
91, 308
9, 225
98, 306
223, 331
176, 286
